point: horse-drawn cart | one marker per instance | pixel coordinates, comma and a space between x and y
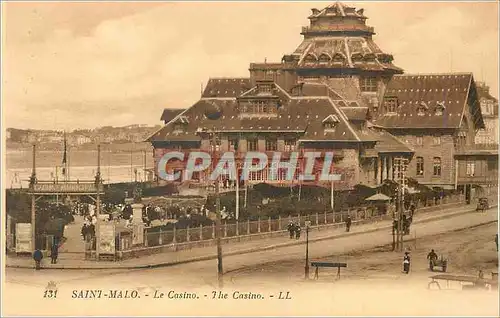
439, 262
482, 204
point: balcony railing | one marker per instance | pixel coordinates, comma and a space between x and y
338, 28
491, 178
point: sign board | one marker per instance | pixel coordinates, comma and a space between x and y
23, 238
64, 187
106, 239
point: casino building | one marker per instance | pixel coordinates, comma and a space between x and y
338, 92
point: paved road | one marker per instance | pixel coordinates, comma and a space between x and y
201, 276
75, 260
204, 272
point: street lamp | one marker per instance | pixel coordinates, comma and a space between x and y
306, 269
213, 113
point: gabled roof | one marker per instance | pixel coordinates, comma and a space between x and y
356, 113
455, 91
226, 87
385, 142
331, 119
300, 114
170, 113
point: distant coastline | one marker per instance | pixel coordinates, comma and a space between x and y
58, 147
119, 162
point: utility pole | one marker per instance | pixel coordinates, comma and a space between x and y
237, 208
218, 219
400, 167
33, 200
306, 268
403, 184
98, 201
396, 169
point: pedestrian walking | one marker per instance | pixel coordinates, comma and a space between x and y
37, 256
406, 263
297, 231
54, 252
348, 223
291, 229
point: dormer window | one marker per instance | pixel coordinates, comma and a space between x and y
391, 104
370, 58
368, 84
330, 122
324, 58
259, 107
265, 89
311, 58
357, 57
338, 58
439, 109
180, 123
422, 109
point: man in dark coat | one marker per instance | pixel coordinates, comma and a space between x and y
291, 229
37, 256
412, 209
54, 252
297, 231
348, 223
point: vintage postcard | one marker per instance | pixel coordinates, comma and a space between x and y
250, 158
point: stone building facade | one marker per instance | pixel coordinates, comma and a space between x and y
489, 109
338, 91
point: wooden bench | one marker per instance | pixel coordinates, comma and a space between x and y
326, 264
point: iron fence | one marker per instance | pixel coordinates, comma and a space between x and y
263, 225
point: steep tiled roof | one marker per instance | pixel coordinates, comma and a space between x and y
342, 52
170, 113
413, 91
385, 141
226, 87
319, 89
298, 114
356, 113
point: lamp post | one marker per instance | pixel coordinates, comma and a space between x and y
218, 221
306, 268
237, 208
213, 113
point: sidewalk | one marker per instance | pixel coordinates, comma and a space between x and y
209, 253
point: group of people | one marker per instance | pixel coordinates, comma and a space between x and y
432, 257
294, 230
406, 223
54, 253
88, 229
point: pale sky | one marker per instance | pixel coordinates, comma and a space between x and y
83, 65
